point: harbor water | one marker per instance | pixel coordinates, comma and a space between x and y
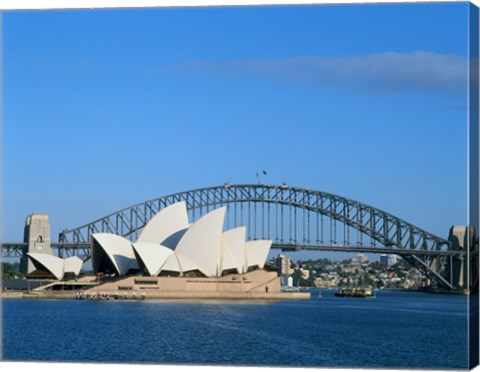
393, 330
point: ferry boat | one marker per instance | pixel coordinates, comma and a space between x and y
354, 292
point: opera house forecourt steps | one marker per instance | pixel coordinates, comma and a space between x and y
171, 259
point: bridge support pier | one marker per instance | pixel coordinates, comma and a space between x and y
37, 236
461, 239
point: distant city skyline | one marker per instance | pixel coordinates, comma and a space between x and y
104, 109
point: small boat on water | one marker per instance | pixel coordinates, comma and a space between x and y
354, 292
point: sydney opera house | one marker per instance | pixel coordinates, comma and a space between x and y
171, 258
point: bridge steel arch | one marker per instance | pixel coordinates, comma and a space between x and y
295, 219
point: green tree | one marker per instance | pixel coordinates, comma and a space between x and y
10, 271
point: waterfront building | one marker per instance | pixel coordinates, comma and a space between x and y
169, 245
388, 259
171, 258
49, 265
286, 281
283, 264
360, 259
305, 273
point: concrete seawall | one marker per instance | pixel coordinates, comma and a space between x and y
157, 295
259, 284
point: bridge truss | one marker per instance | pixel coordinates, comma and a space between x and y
295, 219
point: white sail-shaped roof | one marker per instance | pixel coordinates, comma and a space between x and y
233, 254
257, 252
152, 256
169, 243
52, 264
171, 264
117, 249
164, 224
227, 260
172, 241
185, 263
178, 263
202, 242
72, 265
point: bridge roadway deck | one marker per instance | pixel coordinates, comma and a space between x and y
363, 248
15, 250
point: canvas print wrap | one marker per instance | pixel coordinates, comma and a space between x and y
242, 186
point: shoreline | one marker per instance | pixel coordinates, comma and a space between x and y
167, 295
417, 290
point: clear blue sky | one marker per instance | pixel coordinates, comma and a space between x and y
103, 109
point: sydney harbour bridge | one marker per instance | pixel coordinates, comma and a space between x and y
295, 219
